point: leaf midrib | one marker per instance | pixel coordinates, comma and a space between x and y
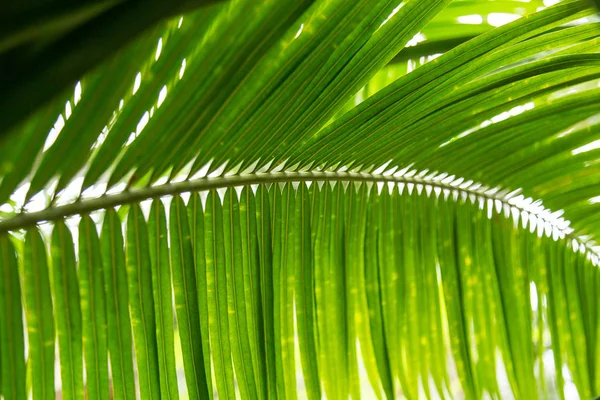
85, 206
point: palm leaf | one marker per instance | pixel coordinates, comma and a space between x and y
67, 311
117, 306
13, 347
93, 307
387, 201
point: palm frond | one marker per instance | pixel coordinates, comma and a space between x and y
307, 200
426, 284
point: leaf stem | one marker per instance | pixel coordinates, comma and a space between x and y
501, 198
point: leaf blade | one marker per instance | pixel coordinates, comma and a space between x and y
120, 344
141, 303
12, 341
40, 321
163, 300
186, 299
93, 311
67, 311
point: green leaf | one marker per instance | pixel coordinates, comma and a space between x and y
18, 151
288, 267
279, 219
359, 316
40, 321
427, 86
330, 302
141, 303
453, 296
163, 300
177, 42
67, 308
216, 285
93, 310
108, 85
238, 324
252, 29
513, 279
304, 297
264, 221
252, 294
120, 345
196, 220
186, 300
12, 343
386, 278
411, 340
433, 333
579, 366
370, 284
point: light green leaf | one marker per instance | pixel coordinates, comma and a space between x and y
216, 284
93, 310
40, 321
141, 303
264, 222
120, 346
186, 300
196, 220
67, 308
12, 343
330, 303
453, 295
304, 296
240, 344
376, 333
163, 300
252, 294
359, 316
